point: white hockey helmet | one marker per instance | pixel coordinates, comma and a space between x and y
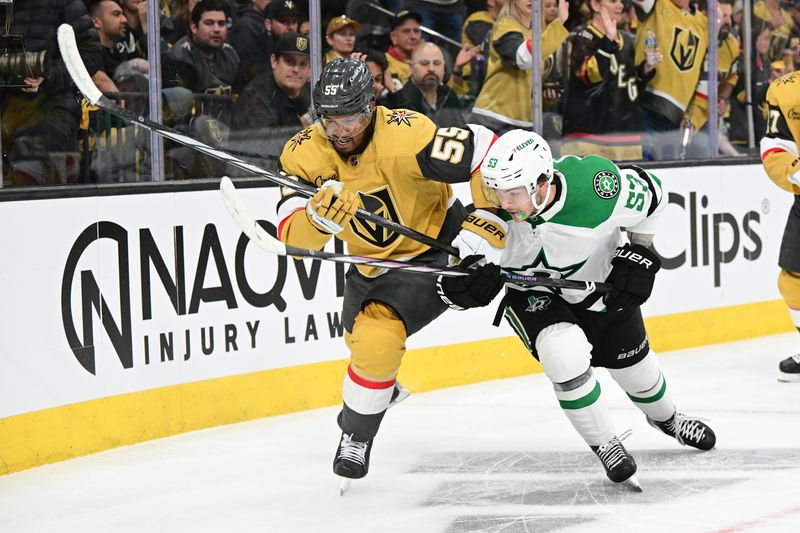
518, 159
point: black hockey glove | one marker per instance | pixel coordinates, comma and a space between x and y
476, 290
633, 272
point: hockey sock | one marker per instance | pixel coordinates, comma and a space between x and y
646, 387
580, 398
365, 402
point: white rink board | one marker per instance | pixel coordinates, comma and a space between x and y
39, 369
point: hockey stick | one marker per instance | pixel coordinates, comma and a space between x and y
77, 70
238, 210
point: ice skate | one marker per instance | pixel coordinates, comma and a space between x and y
352, 460
789, 369
619, 464
687, 431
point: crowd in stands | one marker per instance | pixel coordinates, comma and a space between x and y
621, 78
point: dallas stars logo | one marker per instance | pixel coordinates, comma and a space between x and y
298, 139
401, 116
538, 303
606, 184
547, 269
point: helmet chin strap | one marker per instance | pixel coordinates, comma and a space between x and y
538, 208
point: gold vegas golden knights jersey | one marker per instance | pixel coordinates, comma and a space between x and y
682, 37
506, 93
779, 147
727, 56
403, 174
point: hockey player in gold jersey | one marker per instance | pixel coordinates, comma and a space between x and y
398, 164
779, 153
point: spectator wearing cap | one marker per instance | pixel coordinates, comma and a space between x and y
426, 91
405, 36
443, 16
278, 98
341, 37
257, 37
203, 61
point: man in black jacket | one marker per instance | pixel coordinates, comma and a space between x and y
40, 120
275, 99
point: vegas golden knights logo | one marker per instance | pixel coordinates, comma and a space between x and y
381, 203
684, 48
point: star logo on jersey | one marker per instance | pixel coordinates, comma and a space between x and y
787, 79
401, 116
538, 303
606, 184
299, 137
684, 48
381, 203
547, 270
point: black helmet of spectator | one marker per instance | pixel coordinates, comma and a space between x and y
278, 9
403, 16
344, 88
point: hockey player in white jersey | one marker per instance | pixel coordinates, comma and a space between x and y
582, 218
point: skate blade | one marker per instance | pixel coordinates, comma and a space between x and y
401, 395
344, 485
633, 483
788, 378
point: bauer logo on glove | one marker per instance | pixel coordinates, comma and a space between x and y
633, 273
483, 233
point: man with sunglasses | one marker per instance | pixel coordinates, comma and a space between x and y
398, 164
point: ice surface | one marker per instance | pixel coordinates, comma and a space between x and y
495, 457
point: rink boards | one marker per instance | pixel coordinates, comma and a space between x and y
136, 316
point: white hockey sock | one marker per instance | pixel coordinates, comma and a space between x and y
586, 410
646, 387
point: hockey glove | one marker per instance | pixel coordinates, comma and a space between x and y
633, 272
476, 290
482, 233
332, 208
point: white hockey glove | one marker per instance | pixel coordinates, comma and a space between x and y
482, 233
332, 208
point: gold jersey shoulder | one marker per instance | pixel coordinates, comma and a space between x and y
784, 93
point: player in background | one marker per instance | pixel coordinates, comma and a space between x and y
779, 154
398, 164
564, 221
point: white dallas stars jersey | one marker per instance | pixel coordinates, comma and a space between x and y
576, 236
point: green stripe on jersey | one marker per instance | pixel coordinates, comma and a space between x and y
585, 401
654, 398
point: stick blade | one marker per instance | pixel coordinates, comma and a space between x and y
77, 70
241, 215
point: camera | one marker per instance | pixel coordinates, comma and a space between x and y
16, 63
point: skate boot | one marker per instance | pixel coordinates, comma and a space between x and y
687, 431
789, 369
619, 464
352, 457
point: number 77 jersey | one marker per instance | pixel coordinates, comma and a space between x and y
576, 236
